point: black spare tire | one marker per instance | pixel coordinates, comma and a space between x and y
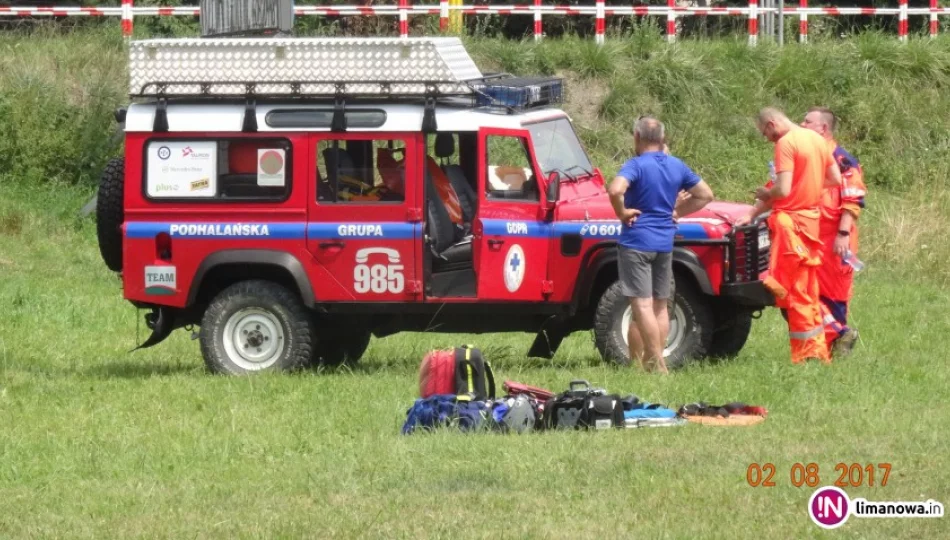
109, 213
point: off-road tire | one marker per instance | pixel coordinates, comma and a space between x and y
338, 350
732, 331
279, 304
340, 340
110, 214
697, 321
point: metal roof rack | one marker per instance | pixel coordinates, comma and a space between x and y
338, 68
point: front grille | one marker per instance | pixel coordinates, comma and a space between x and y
748, 260
763, 253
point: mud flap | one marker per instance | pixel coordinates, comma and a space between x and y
549, 338
161, 322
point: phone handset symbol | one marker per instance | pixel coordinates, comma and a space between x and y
362, 255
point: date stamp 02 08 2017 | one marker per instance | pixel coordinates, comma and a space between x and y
808, 474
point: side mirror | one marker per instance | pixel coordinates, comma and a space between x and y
554, 188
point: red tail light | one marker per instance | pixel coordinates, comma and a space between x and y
163, 246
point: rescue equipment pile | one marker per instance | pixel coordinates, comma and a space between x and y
457, 389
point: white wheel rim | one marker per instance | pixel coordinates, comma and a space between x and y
677, 329
253, 339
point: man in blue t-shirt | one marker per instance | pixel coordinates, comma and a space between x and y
645, 196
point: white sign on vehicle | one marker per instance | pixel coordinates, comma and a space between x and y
378, 278
160, 280
271, 167
182, 169
764, 240
514, 268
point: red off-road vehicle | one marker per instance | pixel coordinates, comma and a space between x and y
293, 197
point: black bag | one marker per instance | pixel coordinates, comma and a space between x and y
602, 412
583, 407
473, 374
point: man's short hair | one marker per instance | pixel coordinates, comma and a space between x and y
827, 115
771, 114
649, 130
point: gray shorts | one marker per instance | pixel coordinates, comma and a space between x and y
645, 274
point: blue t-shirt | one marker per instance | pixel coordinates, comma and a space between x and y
655, 181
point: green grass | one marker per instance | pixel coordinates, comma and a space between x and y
99, 442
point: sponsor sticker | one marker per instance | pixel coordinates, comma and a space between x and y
271, 167
160, 280
182, 169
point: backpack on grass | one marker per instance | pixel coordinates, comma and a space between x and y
446, 411
462, 371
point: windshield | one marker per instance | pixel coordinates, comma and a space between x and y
557, 148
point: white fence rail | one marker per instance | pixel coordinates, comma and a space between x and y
451, 9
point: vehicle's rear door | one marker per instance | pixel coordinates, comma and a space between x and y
366, 236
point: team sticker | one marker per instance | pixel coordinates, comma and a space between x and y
160, 280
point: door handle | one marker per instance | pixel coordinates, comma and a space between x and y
493, 242
327, 245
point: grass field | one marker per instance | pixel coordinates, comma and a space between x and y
98, 442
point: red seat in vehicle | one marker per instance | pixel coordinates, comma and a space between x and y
451, 249
444, 149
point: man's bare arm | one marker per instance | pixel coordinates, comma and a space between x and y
782, 187
616, 190
699, 196
832, 176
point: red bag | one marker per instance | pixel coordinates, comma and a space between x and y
437, 373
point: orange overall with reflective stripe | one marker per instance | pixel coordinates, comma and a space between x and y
796, 246
793, 279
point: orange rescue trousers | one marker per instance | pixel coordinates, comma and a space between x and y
793, 268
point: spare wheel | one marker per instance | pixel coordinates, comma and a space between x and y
109, 213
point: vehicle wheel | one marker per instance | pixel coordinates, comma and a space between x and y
109, 213
338, 350
732, 332
255, 326
690, 326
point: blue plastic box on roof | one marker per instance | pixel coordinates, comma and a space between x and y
520, 93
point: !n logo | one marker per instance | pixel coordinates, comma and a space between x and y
829, 507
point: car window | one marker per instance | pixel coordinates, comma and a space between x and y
350, 171
510, 175
247, 169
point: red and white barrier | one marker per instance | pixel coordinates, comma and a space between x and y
537, 20
402, 9
902, 20
934, 23
753, 22
671, 21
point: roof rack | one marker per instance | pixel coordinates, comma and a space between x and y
338, 68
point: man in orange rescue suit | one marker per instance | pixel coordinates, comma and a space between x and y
804, 166
840, 209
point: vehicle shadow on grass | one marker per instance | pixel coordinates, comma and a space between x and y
140, 370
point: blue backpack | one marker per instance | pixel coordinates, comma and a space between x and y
445, 410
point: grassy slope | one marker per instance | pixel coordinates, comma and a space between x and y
96, 441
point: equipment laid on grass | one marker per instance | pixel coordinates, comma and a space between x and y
583, 407
445, 410
457, 392
460, 371
731, 414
